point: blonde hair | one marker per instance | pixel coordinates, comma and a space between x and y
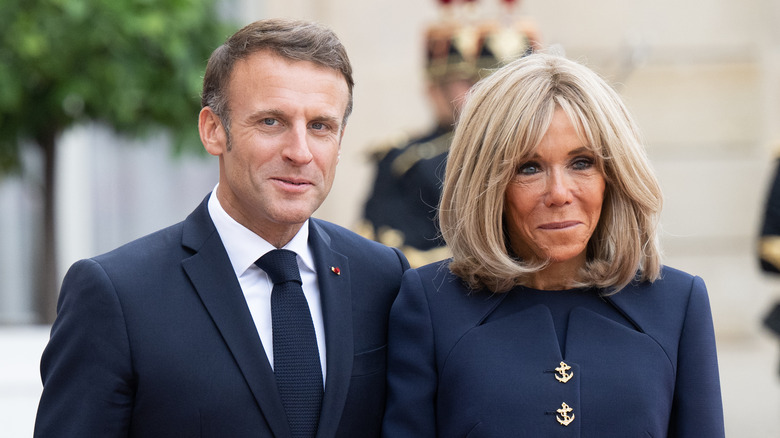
504, 119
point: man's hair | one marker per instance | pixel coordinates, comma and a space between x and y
504, 119
291, 39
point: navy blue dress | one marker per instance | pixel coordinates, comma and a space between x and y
640, 363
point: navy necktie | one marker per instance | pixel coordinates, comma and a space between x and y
296, 357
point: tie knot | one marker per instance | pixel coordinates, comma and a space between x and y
280, 265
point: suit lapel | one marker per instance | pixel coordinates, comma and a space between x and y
213, 277
336, 295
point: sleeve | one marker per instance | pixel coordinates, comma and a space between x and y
384, 197
697, 410
411, 377
86, 367
769, 243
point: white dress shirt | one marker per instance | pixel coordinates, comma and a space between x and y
244, 247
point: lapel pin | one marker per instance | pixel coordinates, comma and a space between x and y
335, 270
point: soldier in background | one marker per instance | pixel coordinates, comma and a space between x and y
401, 208
769, 246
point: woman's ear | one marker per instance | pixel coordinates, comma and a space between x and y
212, 133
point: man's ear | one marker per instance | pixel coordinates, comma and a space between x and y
212, 133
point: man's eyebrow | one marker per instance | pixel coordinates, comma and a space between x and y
264, 114
325, 118
260, 115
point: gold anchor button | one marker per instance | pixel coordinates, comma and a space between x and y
562, 375
564, 418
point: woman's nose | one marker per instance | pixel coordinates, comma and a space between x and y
559, 189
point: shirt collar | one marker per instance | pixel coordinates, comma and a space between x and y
244, 247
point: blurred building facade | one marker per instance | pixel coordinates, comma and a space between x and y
702, 78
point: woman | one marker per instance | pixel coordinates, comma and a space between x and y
555, 316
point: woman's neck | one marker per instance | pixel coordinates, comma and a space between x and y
557, 276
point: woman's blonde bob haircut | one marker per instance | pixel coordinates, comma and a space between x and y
504, 119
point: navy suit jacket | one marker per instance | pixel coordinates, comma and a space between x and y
475, 364
155, 339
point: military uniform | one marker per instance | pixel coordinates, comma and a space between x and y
401, 209
769, 246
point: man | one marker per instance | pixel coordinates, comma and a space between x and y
175, 334
401, 209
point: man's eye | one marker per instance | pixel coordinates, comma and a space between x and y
318, 126
269, 122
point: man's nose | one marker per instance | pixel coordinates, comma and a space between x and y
296, 148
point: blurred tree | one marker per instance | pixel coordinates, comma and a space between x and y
134, 65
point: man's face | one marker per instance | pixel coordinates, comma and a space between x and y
286, 125
448, 97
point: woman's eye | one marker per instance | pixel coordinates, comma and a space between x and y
528, 169
582, 163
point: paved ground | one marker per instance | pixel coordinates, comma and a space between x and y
20, 383
749, 375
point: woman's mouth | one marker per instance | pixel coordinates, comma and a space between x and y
559, 225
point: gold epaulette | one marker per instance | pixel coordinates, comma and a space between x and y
419, 258
416, 257
421, 151
365, 229
769, 250
378, 151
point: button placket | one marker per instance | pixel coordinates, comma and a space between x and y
565, 375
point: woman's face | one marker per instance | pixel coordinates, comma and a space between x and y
553, 203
